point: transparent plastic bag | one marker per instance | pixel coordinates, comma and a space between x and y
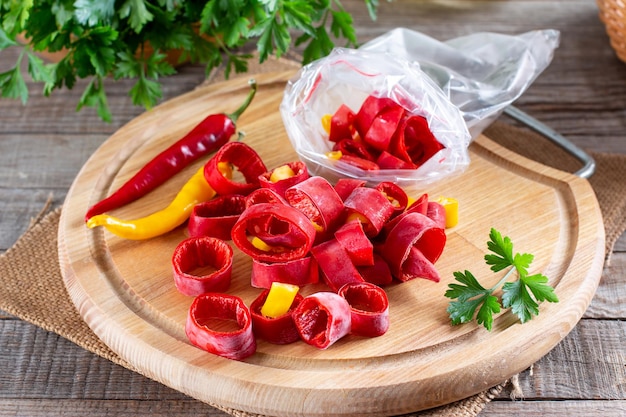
455, 90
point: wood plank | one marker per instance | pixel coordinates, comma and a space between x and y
609, 299
503, 408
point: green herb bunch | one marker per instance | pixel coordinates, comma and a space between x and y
104, 38
522, 295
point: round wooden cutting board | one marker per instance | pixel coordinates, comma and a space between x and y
125, 292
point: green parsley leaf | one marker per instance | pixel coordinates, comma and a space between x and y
12, 83
38, 70
90, 12
137, 13
94, 96
5, 40
522, 296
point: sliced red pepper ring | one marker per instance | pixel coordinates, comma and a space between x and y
417, 231
395, 194
388, 161
372, 205
264, 195
354, 148
322, 318
415, 142
300, 272
193, 257
345, 186
357, 245
341, 124
371, 107
221, 324
216, 217
335, 263
383, 127
286, 231
243, 157
278, 182
369, 308
318, 200
437, 212
378, 273
280, 330
361, 163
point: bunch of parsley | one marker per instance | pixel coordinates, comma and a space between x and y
522, 295
107, 37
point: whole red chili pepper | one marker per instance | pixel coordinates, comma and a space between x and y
209, 135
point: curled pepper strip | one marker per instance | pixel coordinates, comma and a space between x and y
209, 135
288, 233
395, 194
373, 206
414, 142
207, 326
341, 124
335, 263
300, 272
280, 330
300, 173
378, 273
370, 108
369, 308
196, 190
322, 318
318, 200
216, 217
243, 157
383, 127
345, 186
357, 245
190, 258
413, 231
264, 195
437, 213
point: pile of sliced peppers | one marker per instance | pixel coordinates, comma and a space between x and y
382, 134
299, 230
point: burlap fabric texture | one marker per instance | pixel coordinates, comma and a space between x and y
34, 291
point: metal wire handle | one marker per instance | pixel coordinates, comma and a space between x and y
589, 163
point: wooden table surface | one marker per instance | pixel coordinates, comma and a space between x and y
582, 95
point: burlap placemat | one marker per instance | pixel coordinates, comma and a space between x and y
33, 289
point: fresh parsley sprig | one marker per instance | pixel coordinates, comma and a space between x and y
108, 37
522, 295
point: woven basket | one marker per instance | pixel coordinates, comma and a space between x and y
613, 15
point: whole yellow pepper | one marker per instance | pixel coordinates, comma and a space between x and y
196, 190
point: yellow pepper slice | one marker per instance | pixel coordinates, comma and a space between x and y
281, 173
336, 155
196, 190
451, 206
279, 299
326, 122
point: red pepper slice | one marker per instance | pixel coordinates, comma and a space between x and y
354, 148
221, 324
216, 217
245, 159
378, 274
341, 124
282, 227
398, 197
345, 186
436, 212
322, 318
280, 330
417, 266
301, 173
264, 195
383, 127
318, 200
371, 107
418, 206
300, 272
369, 308
388, 161
373, 206
417, 231
209, 135
192, 256
357, 245
335, 263
360, 163
415, 142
